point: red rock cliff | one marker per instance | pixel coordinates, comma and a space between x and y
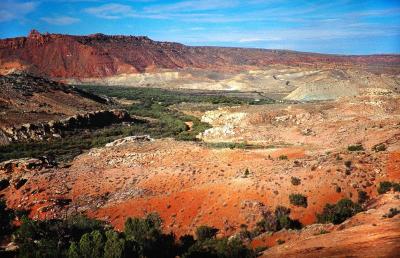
98, 55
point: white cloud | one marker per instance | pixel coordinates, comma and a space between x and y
61, 20
111, 11
192, 6
12, 10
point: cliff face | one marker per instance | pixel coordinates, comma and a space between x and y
55, 129
98, 55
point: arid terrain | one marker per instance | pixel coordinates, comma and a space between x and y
328, 129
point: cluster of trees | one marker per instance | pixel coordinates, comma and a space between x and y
170, 97
79, 236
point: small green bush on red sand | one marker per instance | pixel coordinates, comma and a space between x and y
339, 212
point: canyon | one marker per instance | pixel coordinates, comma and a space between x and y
204, 136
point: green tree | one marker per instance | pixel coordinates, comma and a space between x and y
141, 230
6, 217
73, 251
206, 232
97, 244
384, 187
362, 196
114, 246
85, 246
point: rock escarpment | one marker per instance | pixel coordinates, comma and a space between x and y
100, 55
55, 129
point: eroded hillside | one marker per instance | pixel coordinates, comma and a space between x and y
191, 184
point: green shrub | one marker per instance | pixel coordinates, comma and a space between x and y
73, 251
379, 147
298, 200
339, 212
396, 187
6, 218
276, 221
83, 237
356, 147
142, 230
392, 212
362, 197
205, 232
384, 187
246, 173
280, 241
283, 157
114, 246
347, 163
295, 180
338, 189
224, 248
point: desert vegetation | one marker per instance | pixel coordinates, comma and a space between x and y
339, 212
295, 180
79, 236
150, 103
386, 186
298, 200
279, 219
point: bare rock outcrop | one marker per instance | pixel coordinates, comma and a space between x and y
55, 129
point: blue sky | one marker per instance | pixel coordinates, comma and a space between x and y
342, 26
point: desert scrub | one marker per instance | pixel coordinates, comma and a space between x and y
379, 147
79, 236
362, 197
246, 173
280, 241
298, 200
386, 186
283, 157
392, 212
339, 212
275, 221
295, 180
356, 147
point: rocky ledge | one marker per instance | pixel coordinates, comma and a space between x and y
55, 129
